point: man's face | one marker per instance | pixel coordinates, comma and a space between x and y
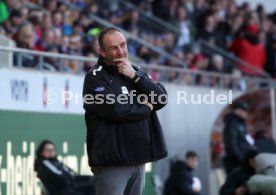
114, 47
49, 151
192, 162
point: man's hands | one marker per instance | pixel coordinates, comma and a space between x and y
124, 67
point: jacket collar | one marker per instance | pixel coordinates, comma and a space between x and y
109, 67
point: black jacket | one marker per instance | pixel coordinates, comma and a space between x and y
121, 134
180, 180
57, 178
237, 178
234, 136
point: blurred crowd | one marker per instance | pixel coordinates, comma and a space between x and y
66, 27
247, 33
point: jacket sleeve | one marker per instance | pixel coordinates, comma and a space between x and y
49, 173
231, 141
100, 99
147, 86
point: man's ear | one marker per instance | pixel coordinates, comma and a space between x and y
102, 52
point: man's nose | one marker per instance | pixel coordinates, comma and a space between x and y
120, 51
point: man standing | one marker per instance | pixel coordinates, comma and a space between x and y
181, 180
121, 135
237, 140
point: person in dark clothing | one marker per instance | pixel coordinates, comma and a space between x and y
236, 181
181, 180
236, 138
264, 143
249, 48
56, 177
121, 135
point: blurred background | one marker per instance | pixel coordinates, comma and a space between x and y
195, 46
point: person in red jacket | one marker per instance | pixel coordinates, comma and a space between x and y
249, 49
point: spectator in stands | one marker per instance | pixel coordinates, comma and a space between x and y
88, 25
181, 180
64, 46
164, 9
199, 62
58, 178
116, 17
208, 32
264, 143
144, 54
131, 22
88, 52
184, 25
67, 25
200, 9
51, 5
169, 40
217, 64
25, 36
36, 22
75, 44
236, 22
188, 6
25, 39
15, 20
54, 64
25, 13
237, 140
57, 20
47, 22
235, 183
238, 82
172, 76
47, 40
249, 49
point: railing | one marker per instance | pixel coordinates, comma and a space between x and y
158, 72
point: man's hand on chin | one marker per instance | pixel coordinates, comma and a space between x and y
124, 67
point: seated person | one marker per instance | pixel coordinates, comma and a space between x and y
57, 177
181, 180
235, 183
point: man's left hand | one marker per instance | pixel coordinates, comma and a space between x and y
124, 67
